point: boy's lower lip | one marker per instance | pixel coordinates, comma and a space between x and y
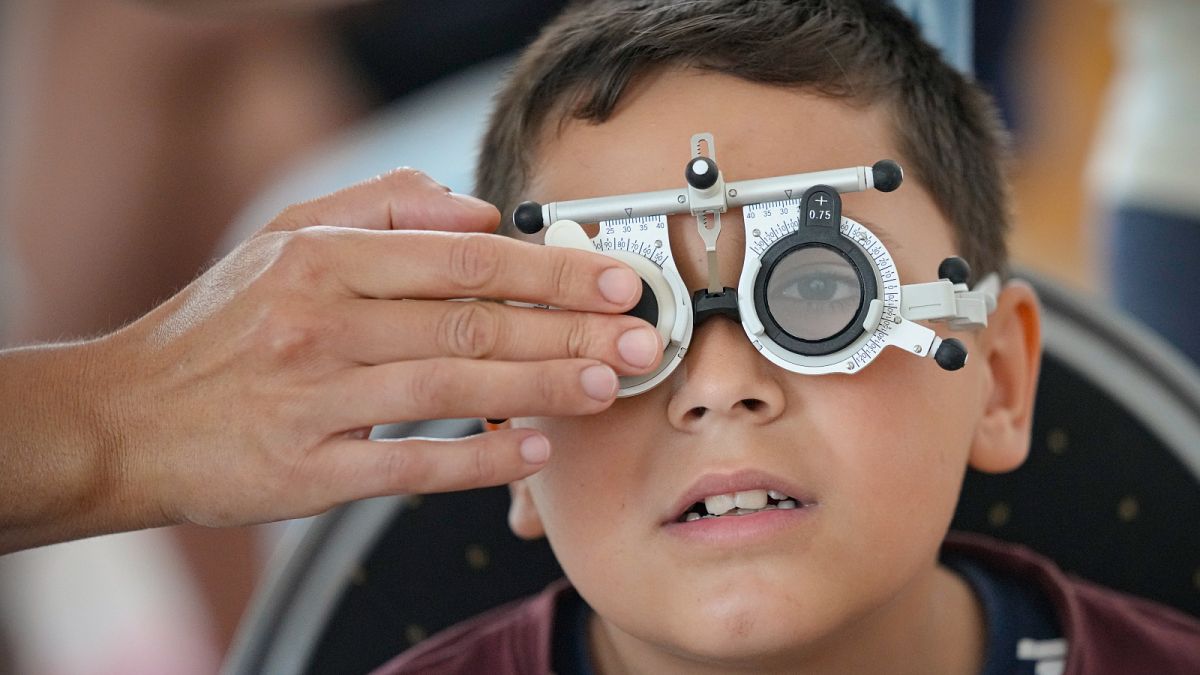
740, 530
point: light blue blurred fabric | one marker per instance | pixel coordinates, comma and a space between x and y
437, 128
947, 24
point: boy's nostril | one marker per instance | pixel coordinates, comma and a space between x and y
753, 404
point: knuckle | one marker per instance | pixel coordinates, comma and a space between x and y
300, 256
484, 466
562, 279
264, 251
579, 336
548, 386
474, 262
407, 175
405, 468
429, 388
285, 333
407, 186
293, 217
471, 329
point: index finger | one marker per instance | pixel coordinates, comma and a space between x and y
440, 265
403, 199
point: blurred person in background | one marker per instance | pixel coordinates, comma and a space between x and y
1145, 169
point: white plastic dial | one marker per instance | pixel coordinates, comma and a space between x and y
642, 243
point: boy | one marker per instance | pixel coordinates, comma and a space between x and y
856, 577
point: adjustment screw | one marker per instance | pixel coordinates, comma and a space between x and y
701, 173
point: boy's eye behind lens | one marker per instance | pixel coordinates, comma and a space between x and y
813, 293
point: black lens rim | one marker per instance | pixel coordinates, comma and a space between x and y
869, 290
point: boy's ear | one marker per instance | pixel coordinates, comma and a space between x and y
523, 517
1011, 348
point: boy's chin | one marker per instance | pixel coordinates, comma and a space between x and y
751, 641
752, 632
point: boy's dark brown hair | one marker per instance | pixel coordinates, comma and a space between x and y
861, 51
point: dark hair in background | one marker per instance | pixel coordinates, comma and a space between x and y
862, 51
398, 46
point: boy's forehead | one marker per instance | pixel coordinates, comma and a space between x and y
759, 130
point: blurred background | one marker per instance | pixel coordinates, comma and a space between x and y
140, 141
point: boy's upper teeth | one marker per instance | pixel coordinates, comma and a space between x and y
746, 499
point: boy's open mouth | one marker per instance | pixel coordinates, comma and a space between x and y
740, 503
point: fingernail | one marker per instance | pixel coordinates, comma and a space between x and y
618, 285
599, 382
638, 346
535, 450
469, 201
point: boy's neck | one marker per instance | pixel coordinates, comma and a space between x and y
938, 626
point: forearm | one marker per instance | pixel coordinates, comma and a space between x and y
62, 475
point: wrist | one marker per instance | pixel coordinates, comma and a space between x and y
66, 473
115, 406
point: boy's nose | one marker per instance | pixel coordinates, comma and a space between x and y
724, 379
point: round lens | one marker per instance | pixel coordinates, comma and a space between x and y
813, 293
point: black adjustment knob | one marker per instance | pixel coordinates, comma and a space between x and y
646, 308
528, 217
701, 173
951, 355
955, 269
886, 175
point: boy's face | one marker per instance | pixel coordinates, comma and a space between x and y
876, 458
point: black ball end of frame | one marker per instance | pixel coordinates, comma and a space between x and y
955, 269
528, 217
951, 354
886, 175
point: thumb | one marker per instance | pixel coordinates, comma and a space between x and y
403, 199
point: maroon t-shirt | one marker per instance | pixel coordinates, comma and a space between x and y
1106, 632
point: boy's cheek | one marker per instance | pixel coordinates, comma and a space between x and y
907, 432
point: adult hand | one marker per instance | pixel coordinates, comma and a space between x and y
248, 396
